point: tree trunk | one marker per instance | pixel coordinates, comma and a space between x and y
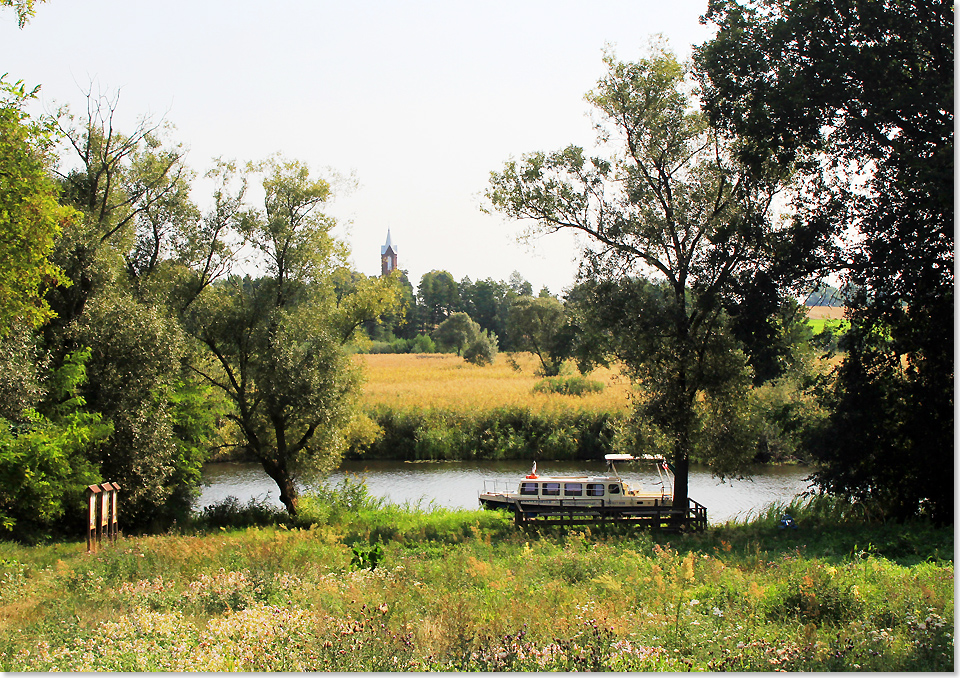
681, 480
289, 496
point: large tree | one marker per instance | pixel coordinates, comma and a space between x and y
670, 204
535, 325
858, 94
126, 184
438, 297
275, 343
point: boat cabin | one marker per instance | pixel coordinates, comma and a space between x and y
552, 488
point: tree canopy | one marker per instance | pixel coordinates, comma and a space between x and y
275, 343
671, 204
858, 96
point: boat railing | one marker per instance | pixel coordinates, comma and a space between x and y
495, 485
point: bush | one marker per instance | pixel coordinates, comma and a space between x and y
576, 386
231, 514
483, 350
423, 344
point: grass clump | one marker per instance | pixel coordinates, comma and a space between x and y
354, 584
575, 386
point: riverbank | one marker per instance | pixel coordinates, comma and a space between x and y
357, 586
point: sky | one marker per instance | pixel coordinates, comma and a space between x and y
419, 100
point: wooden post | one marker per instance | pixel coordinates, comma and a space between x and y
104, 510
112, 523
92, 517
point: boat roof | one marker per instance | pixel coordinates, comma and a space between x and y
572, 478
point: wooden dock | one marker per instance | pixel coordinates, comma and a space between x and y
694, 518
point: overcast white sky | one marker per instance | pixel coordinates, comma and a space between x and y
420, 99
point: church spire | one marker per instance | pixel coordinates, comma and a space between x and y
388, 256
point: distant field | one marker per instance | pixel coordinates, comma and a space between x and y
825, 312
445, 381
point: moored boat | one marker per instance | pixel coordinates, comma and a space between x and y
609, 493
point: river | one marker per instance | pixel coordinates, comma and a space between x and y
456, 484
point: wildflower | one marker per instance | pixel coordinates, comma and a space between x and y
717, 612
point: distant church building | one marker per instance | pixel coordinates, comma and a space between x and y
388, 256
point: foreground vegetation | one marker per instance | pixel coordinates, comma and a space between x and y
353, 584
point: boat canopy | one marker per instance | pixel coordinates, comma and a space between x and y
630, 457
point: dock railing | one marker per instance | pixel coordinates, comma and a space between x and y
657, 517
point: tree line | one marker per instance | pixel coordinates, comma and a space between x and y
140, 331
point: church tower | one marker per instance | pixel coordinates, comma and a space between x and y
388, 256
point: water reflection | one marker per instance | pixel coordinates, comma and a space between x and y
456, 484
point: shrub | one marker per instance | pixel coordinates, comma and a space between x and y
423, 344
501, 433
231, 514
482, 350
576, 386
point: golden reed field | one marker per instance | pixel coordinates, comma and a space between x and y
445, 381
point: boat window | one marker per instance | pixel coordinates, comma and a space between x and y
528, 488
573, 489
594, 489
551, 489
614, 488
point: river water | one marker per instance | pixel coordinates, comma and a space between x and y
457, 484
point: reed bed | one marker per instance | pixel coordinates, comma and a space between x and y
447, 382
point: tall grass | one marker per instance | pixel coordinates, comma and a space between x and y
358, 585
438, 407
446, 382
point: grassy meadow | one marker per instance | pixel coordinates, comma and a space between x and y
354, 585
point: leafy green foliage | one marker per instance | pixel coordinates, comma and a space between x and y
575, 386
862, 107
438, 296
44, 458
161, 420
501, 433
483, 349
275, 344
30, 217
875, 399
534, 325
457, 332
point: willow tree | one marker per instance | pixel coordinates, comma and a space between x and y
275, 343
671, 221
